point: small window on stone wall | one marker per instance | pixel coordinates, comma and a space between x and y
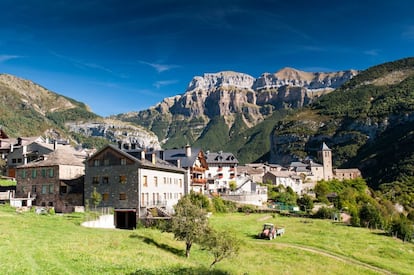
122, 179
105, 196
122, 196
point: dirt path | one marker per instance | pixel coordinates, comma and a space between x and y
331, 255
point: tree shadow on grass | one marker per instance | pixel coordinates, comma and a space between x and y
179, 252
180, 271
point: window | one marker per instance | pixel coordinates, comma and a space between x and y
63, 189
142, 199
51, 189
14, 160
44, 172
156, 181
165, 180
95, 180
181, 182
105, 180
105, 196
51, 173
23, 174
122, 179
34, 189
123, 161
96, 162
145, 181
34, 173
106, 162
44, 188
122, 196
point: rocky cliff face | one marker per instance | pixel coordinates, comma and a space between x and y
227, 94
116, 131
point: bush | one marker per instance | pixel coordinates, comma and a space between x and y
219, 205
325, 213
247, 208
402, 228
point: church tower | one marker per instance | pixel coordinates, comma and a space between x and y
325, 154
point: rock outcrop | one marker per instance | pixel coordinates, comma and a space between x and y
227, 94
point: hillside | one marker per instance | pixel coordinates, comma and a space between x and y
368, 123
28, 109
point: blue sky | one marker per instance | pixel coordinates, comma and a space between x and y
120, 56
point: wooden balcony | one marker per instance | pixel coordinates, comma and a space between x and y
198, 169
199, 181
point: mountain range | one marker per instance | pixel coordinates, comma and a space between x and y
365, 117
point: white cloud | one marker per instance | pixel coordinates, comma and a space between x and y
6, 57
160, 67
163, 83
372, 52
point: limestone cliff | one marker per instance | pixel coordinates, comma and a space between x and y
227, 94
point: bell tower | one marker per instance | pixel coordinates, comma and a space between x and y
325, 154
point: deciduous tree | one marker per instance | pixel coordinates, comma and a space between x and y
189, 223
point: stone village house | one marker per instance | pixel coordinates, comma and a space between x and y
133, 182
55, 179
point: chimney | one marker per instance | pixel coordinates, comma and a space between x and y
142, 155
188, 150
54, 145
178, 163
161, 154
11, 148
24, 154
153, 159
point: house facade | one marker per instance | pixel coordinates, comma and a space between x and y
132, 182
19, 151
222, 169
286, 179
54, 179
193, 161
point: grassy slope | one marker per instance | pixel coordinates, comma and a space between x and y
31, 244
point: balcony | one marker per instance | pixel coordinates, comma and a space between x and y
199, 181
198, 169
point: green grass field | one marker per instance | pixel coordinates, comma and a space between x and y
55, 244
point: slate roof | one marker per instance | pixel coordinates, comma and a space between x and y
63, 155
221, 157
179, 154
135, 155
325, 147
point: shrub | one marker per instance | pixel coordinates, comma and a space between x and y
402, 228
325, 213
219, 205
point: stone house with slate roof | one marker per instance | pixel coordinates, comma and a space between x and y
54, 179
132, 182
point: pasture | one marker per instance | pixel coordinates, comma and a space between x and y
57, 244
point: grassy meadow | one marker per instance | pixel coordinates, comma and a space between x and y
56, 244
